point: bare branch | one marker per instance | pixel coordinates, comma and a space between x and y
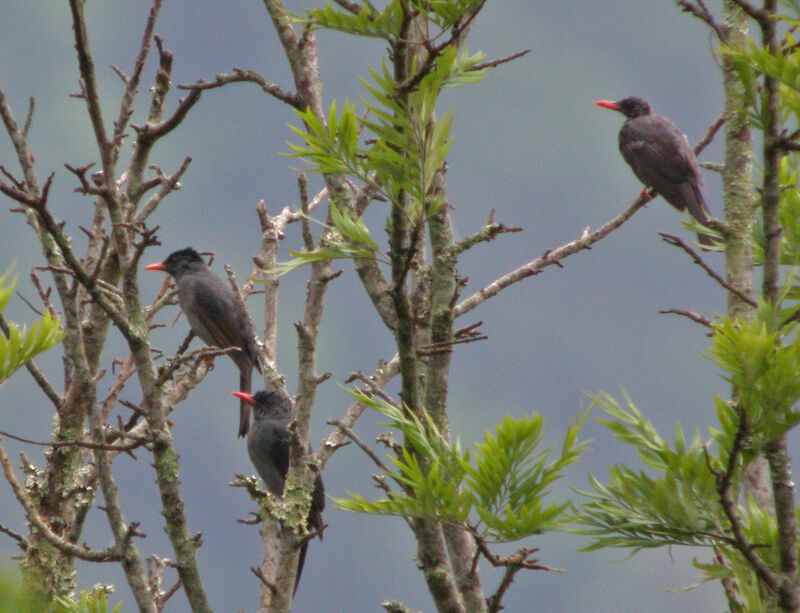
28, 118
700, 10
502, 60
486, 234
696, 317
240, 75
152, 132
169, 184
22, 542
549, 258
359, 443
349, 5
677, 242
132, 82
710, 133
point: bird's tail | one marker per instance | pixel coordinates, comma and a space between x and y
699, 210
244, 407
300, 561
314, 522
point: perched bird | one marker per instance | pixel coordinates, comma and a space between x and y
268, 447
661, 158
215, 315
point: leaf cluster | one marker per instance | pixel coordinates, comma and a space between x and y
89, 602
387, 23
499, 489
637, 510
400, 149
688, 492
766, 373
347, 238
18, 344
394, 147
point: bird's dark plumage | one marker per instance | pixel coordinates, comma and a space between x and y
661, 158
268, 447
214, 314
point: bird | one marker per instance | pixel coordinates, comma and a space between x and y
215, 315
660, 156
268, 448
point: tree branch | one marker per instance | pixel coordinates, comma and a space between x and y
549, 258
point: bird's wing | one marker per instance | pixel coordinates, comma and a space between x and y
221, 316
657, 152
279, 451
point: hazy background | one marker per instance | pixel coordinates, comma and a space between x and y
527, 143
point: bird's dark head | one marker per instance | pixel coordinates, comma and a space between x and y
266, 405
630, 107
179, 262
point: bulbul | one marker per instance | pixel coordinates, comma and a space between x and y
268, 447
214, 314
661, 158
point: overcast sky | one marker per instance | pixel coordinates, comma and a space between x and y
527, 143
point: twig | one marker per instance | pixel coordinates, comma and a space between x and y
169, 184
28, 118
86, 444
703, 14
37, 374
240, 75
349, 5
502, 60
549, 258
696, 317
710, 133
359, 443
22, 542
728, 504
677, 242
488, 233
132, 82
260, 575
395, 606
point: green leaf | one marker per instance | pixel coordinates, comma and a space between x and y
20, 345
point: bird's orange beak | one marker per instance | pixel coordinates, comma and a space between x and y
607, 104
156, 266
248, 398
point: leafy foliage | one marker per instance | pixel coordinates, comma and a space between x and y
639, 511
764, 370
347, 238
386, 23
89, 602
499, 489
395, 147
14, 598
681, 497
20, 345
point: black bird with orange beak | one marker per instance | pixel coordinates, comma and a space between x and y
661, 158
214, 314
268, 448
